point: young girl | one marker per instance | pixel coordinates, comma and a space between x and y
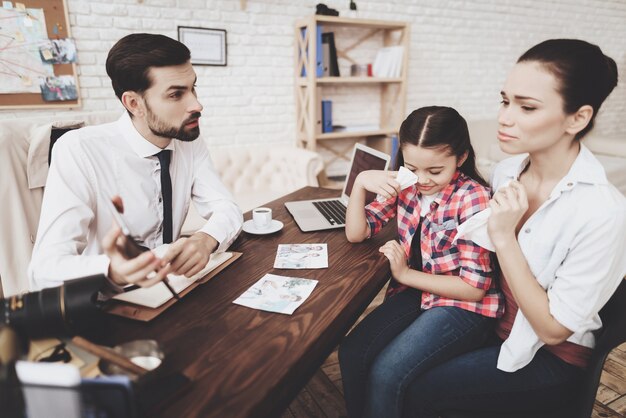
444, 300
559, 231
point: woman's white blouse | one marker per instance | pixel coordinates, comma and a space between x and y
575, 245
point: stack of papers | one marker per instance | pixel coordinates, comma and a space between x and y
388, 62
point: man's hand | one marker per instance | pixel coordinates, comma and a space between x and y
397, 260
188, 256
123, 271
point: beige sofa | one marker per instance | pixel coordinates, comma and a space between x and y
254, 174
611, 152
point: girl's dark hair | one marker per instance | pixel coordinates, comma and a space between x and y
585, 75
131, 58
440, 127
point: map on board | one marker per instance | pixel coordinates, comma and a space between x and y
22, 31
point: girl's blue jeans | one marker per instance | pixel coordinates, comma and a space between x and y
398, 342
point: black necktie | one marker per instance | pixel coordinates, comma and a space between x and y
166, 192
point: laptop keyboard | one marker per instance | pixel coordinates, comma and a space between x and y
333, 210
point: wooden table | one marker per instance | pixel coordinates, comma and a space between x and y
249, 363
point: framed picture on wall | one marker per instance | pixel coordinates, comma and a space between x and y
207, 46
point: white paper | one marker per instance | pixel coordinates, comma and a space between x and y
301, 256
47, 374
475, 229
388, 62
275, 293
405, 177
157, 295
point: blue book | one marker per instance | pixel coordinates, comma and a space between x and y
395, 147
319, 64
327, 116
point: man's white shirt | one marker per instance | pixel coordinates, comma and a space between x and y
92, 164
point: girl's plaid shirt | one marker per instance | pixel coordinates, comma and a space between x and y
456, 203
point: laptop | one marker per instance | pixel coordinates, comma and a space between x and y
320, 214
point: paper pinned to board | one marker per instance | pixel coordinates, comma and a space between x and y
157, 295
405, 177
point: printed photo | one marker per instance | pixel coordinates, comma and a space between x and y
301, 256
275, 293
58, 51
54, 89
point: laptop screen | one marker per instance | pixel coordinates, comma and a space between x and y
363, 161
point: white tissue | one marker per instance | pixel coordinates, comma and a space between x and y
475, 229
405, 177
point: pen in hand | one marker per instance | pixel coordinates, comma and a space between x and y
166, 282
131, 248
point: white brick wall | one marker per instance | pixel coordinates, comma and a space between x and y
460, 54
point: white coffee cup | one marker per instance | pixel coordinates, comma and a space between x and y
262, 217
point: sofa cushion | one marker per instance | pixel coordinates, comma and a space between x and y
600, 145
257, 174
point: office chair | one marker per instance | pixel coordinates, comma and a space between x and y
613, 333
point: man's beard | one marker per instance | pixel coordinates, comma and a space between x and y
160, 128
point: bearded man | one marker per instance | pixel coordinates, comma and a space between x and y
152, 161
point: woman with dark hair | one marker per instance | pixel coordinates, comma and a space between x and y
559, 232
443, 297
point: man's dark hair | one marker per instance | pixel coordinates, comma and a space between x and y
131, 58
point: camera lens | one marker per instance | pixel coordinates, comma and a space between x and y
56, 311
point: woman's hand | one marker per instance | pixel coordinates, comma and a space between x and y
380, 182
397, 260
508, 205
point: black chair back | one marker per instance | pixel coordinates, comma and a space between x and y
55, 134
613, 333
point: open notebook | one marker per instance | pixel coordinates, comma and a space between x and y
157, 295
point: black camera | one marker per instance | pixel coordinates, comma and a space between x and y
57, 311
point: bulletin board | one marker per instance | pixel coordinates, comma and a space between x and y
13, 45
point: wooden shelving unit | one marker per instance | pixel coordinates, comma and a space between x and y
309, 88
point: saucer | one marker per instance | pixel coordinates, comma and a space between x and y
249, 227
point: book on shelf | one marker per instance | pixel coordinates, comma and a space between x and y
388, 62
327, 116
395, 148
329, 55
356, 128
325, 59
318, 112
319, 70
